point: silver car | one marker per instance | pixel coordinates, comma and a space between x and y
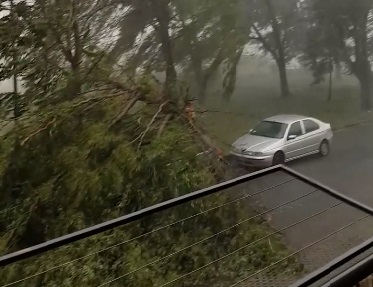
282, 138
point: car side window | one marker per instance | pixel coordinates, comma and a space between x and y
310, 126
296, 129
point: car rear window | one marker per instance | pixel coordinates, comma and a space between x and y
310, 126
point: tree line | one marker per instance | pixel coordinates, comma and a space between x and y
199, 37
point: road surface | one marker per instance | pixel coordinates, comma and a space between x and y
348, 169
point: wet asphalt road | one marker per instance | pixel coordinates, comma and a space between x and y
348, 169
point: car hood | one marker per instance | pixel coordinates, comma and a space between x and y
255, 143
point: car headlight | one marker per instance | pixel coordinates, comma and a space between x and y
251, 153
236, 150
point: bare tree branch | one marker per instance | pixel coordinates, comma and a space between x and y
261, 39
142, 135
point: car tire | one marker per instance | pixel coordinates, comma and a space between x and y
324, 149
278, 158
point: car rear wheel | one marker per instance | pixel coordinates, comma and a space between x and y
324, 148
278, 158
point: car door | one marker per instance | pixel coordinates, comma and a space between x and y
313, 135
294, 147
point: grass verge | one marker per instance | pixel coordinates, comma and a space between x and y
228, 121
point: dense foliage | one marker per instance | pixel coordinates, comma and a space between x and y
90, 140
72, 168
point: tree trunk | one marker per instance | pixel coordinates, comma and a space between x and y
162, 15
279, 51
338, 71
285, 91
75, 85
207, 75
16, 108
201, 87
231, 76
361, 67
365, 93
196, 63
330, 90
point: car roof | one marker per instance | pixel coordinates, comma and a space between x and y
286, 119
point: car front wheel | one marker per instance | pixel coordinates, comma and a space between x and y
278, 158
324, 148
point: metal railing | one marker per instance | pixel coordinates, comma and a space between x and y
335, 273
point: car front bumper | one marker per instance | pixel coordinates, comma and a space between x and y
260, 162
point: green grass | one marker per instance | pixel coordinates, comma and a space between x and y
257, 97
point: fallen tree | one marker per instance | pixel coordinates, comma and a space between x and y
92, 159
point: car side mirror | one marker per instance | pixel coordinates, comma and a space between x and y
250, 130
292, 137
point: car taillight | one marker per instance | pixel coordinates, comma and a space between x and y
330, 131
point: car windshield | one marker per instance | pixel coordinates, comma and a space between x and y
270, 130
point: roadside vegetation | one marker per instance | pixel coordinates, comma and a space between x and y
119, 96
